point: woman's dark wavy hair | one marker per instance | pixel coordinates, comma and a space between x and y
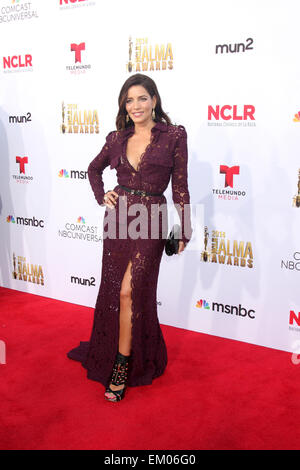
150, 86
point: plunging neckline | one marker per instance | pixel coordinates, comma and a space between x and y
142, 154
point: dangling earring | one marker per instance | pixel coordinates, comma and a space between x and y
153, 114
127, 118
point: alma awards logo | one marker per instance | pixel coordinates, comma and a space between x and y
78, 121
24, 271
296, 199
149, 57
224, 251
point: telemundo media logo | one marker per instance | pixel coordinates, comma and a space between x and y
227, 309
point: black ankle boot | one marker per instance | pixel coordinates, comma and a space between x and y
119, 377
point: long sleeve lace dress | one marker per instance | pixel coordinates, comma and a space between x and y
165, 157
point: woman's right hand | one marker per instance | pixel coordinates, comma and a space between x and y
110, 198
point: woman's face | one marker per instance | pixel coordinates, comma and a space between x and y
139, 104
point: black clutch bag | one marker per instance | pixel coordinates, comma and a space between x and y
172, 242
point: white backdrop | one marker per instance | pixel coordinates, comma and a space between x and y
225, 58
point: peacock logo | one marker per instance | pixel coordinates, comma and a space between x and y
10, 218
81, 220
63, 174
297, 117
203, 304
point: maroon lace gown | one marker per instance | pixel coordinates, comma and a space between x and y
165, 157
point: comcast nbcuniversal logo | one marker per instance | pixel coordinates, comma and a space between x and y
17, 10
228, 309
79, 229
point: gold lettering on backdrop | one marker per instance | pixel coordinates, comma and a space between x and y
296, 198
224, 251
159, 53
149, 57
145, 54
169, 52
63, 127
205, 255
80, 121
248, 251
24, 271
238, 250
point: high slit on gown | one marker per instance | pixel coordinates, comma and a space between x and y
164, 157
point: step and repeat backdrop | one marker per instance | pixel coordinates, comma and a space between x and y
229, 72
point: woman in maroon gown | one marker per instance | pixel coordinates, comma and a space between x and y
126, 346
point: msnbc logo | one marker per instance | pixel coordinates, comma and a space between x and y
11, 219
202, 303
73, 174
63, 174
228, 309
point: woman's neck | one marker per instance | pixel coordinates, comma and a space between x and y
143, 128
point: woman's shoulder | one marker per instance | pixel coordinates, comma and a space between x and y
114, 137
173, 131
119, 135
111, 134
176, 130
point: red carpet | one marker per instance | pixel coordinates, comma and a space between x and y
215, 393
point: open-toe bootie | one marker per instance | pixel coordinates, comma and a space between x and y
118, 378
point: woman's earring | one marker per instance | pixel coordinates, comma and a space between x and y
153, 114
127, 118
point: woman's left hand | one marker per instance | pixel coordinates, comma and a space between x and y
181, 247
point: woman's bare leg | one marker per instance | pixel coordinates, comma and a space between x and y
125, 320
125, 313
